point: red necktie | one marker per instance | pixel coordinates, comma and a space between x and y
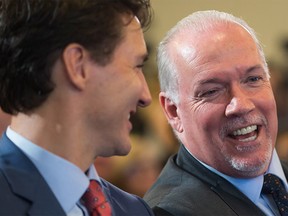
95, 201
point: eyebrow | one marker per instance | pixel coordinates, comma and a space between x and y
211, 80
256, 67
217, 80
145, 57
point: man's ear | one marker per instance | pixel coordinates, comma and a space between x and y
74, 58
171, 112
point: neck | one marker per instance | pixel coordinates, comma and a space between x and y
57, 135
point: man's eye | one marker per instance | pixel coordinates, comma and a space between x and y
255, 79
209, 93
140, 66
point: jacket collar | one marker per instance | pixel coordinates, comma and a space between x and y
26, 181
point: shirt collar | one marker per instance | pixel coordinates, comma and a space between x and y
67, 181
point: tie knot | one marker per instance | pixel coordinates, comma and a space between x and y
271, 184
94, 186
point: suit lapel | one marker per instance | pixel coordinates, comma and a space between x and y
26, 181
235, 199
106, 190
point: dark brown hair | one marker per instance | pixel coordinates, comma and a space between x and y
34, 33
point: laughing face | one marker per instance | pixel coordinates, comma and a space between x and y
226, 115
115, 91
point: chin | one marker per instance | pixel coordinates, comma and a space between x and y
123, 149
251, 167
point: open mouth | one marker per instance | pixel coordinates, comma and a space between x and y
245, 134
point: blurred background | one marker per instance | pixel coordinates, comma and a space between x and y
152, 138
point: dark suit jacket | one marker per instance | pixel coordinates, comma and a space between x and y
23, 191
186, 187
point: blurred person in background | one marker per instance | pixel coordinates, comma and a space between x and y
217, 97
71, 76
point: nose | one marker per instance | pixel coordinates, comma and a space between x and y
240, 103
145, 97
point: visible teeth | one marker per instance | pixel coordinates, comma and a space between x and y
248, 139
244, 131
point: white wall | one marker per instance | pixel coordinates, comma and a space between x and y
269, 18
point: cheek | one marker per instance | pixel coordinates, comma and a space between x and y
206, 118
211, 120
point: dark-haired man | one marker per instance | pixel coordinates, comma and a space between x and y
71, 76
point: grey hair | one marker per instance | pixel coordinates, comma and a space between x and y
196, 22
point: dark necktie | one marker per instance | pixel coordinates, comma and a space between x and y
273, 185
95, 201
